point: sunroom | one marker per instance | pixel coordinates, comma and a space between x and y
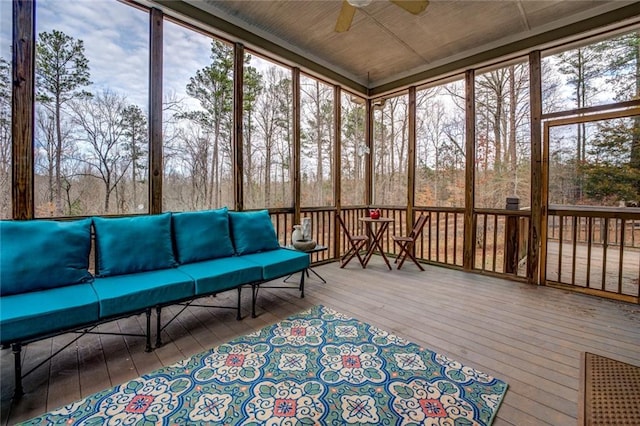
512, 125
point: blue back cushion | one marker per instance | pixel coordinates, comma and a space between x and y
43, 254
133, 244
202, 235
253, 232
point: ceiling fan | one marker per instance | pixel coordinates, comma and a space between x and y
349, 7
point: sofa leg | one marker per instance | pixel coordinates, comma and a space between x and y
148, 347
238, 315
302, 285
18, 391
254, 296
158, 326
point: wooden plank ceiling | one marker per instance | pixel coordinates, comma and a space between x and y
385, 43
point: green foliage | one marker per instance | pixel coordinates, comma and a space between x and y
609, 183
622, 62
136, 134
62, 68
610, 174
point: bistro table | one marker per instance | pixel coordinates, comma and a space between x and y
376, 228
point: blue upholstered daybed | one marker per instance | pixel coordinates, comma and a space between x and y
141, 263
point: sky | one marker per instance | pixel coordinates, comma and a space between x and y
116, 42
5, 29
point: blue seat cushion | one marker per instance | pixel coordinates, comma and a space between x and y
212, 276
202, 235
280, 262
253, 232
43, 254
133, 244
27, 315
122, 294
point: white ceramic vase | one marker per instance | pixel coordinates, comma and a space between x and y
297, 233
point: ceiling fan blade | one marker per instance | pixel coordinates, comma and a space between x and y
412, 6
345, 17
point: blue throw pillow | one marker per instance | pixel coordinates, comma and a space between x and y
133, 244
43, 254
253, 232
202, 235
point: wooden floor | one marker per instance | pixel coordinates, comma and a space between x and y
531, 337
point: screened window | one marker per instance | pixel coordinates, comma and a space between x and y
390, 150
268, 134
91, 143
601, 169
440, 145
503, 136
6, 30
317, 142
355, 152
594, 74
197, 120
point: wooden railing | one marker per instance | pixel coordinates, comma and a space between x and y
594, 249
441, 241
501, 241
587, 248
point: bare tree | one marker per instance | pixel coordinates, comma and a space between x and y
5, 139
271, 120
317, 141
100, 128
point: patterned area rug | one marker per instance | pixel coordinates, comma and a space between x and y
317, 367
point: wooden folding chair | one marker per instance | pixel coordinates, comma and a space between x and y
356, 243
406, 244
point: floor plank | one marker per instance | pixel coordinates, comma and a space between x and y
529, 336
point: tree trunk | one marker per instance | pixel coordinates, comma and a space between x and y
58, 162
511, 156
635, 131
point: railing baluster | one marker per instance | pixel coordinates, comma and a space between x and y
495, 242
560, 240
438, 237
589, 245
455, 238
484, 242
575, 247
605, 244
446, 237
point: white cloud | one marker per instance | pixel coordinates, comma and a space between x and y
116, 42
115, 38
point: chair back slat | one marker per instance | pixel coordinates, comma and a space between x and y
417, 228
343, 226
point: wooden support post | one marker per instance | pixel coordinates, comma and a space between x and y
539, 190
368, 164
337, 164
470, 168
22, 108
411, 177
238, 151
155, 111
297, 200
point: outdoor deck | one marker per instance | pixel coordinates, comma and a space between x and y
529, 336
